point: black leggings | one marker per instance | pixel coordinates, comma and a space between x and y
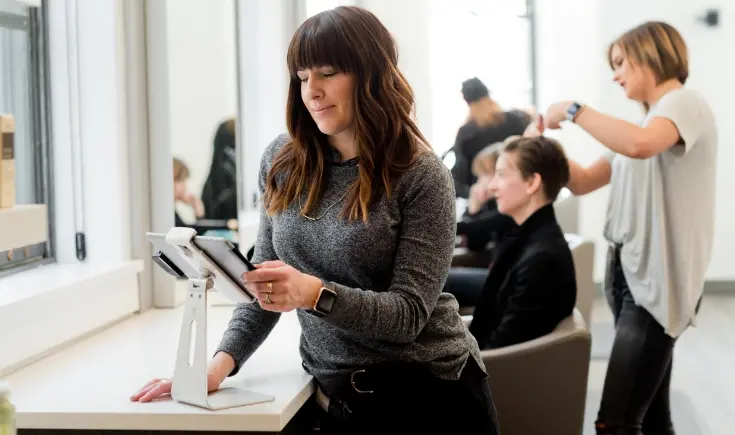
635, 399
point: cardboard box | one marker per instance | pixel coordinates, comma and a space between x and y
7, 161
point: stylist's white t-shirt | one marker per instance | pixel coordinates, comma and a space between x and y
662, 209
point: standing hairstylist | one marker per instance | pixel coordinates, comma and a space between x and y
660, 219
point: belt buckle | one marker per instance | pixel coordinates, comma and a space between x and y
354, 386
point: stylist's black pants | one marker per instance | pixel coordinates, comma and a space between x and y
413, 401
635, 399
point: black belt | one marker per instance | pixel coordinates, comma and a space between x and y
363, 384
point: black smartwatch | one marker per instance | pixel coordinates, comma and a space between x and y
325, 300
573, 111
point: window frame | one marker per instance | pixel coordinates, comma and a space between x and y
531, 16
35, 25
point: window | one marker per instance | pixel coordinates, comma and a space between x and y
488, 39
23, 94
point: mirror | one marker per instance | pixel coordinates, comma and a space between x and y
203, 117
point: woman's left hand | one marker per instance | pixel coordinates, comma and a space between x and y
280, 287
557, 113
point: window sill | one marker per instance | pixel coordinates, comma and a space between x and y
48, 306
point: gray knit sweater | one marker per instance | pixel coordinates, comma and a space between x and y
389, 276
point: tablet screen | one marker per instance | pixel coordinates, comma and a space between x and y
227, 257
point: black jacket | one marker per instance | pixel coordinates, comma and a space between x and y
531, 286
219, 194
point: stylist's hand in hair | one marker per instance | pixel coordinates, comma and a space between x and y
535, 128
290, 289
557, 113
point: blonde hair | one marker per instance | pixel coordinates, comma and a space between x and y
484, 161
181, 171
658, 46
485, 112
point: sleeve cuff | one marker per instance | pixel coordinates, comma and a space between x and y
227, 347
346, 308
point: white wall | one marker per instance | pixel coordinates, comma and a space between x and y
462, 35
573, 67
411, 35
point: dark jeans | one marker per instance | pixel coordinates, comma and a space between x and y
466, 284
635, 399
415, 401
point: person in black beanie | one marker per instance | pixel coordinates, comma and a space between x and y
486, 123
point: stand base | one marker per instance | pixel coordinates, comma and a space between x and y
231, 397
190, 374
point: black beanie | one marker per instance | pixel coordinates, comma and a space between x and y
473, 89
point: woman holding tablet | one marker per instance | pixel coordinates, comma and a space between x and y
660, 172
357, 231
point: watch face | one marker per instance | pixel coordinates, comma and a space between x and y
572, 111
326, 300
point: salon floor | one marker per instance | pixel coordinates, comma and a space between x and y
703, 381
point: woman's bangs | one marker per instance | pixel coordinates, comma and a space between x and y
317, 43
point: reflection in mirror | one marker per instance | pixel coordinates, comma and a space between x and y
203, 143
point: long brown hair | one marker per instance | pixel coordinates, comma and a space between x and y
351, 40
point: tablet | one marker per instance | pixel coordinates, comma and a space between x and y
215, 256
226, 255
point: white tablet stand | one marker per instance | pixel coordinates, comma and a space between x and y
190, 374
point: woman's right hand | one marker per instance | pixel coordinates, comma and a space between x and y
219, 368
161, 387
478, 197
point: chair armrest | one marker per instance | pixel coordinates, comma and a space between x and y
539, 345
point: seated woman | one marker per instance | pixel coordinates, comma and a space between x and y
531, 286
482, 223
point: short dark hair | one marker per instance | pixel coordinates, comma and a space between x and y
544, 156
473, 89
